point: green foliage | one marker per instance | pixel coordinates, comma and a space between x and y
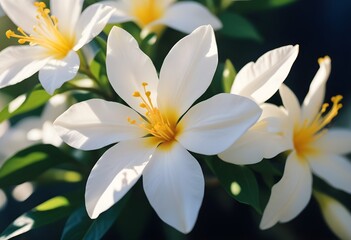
239, 181
46, 213
29, 163
228, 76
259, 5
80, 226
236, 26
32, 100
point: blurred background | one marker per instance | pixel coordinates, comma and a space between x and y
320, 27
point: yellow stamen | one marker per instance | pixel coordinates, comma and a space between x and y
156, 124
307, 133
46, 34
147, 11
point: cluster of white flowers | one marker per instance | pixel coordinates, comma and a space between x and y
161, 121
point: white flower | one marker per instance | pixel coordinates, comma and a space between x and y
335, 215
33, 130
313, 149
155, 145
150, 14
52, 40
259, 81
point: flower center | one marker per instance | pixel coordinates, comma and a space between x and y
307, 133
147, 11
154, 123
45, 34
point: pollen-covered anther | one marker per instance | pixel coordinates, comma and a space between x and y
154, 123
308, 132
45, 33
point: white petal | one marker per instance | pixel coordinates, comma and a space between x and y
335, 215
174, 184
260, 80
213, 125
291, 103
257, 143
97, 123
187, 16
19, 63
290, 195
314, 99
187, 70
18, 137
270, 110
3, 127
334, 169
115, 173
92, 21
336, 141
21, 12
67, 13
56, 72
50, 135
128, 67
55, 107
121, 13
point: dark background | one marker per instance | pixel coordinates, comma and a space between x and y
320, 27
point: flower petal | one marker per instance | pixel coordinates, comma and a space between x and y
257, 143
20, 136
49, 134
335, 215
187, 71
187, 16
314, 99
174, 184
291, 103
260, 80
56, 72
55, 107
115, 173
290, 195
97, 123
91, 22
128, 67
337, 141
213, 125
121, 13
19, 63
67, 13
21, 12
334, 169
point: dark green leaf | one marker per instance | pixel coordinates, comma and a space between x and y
28, 102
238, 181
80, 226
30, 163
46, 213
228, 76
253, 6
236, 26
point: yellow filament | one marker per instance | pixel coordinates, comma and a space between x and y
307, 133
147, 11
46, 34
156, 124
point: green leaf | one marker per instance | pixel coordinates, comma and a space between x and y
46, 213
80, 226
25, 103
228, 76
30, 163
239, 181
268, 171
235, 26
253, 6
